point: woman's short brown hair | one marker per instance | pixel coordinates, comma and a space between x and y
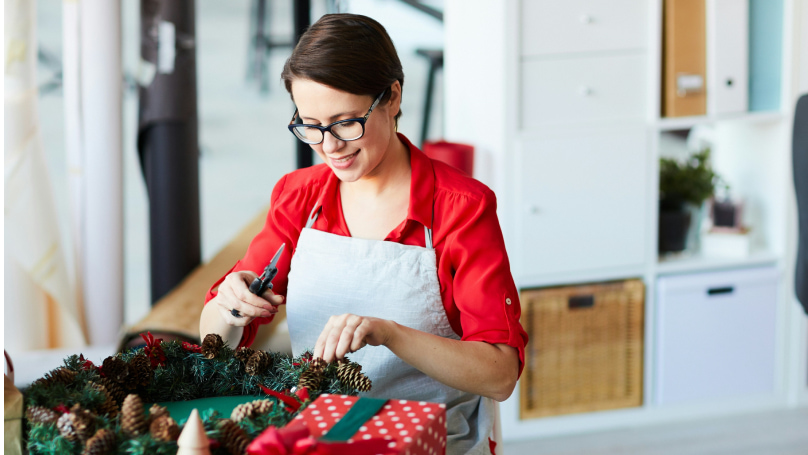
348, 52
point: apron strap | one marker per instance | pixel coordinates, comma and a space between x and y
313, 216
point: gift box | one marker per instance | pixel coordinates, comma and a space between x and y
343, 424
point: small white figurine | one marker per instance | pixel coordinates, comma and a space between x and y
193, 440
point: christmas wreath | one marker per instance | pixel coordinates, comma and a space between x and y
83, 408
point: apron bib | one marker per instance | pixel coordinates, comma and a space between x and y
332, 275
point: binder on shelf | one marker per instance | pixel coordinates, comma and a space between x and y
684, 58
727, 56
765, 54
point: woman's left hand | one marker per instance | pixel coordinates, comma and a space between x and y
349, 333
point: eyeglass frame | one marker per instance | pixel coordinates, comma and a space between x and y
327, 128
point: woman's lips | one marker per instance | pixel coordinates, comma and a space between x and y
343, 162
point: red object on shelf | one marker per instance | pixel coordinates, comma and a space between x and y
461, 156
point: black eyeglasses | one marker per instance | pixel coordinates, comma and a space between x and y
345, 130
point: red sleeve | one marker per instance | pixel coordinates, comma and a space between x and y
277, 230
483, 287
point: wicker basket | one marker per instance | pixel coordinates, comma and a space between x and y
586, 348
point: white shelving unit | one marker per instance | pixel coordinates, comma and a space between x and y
562, 101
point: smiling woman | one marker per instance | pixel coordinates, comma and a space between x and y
392, 257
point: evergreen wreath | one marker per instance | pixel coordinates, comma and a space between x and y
79, 408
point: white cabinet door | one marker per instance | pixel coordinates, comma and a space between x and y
568, 26
583, 90
716, 335
583, 201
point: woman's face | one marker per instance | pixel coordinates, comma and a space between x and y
319, 104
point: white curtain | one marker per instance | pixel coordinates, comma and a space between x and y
40, 308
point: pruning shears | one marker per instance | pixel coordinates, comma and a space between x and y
264, 281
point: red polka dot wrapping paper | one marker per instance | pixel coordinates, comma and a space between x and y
412, 427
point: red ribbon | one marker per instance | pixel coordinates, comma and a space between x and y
157, 356
292, 403
87, 364
296, 439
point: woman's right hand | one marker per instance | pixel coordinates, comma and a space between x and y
234, 294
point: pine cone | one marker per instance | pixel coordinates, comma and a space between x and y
102, 443
233, 438
115, 369
133, 421
109, 407
250, 410
115, 391
164, 428
41, 414
310, 379
350, 374
258, 363
67, 427
141, 370
78, 424
59, 375
318, 364
244, 353
156, 411
211, 345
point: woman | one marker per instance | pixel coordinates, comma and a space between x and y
389, 255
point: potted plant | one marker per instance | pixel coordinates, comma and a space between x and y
682, 185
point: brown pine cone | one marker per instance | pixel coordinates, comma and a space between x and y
211, 345
250, 410
109, 407
84, 422
59, 375
318, 364
133, 420
311, 379
351, 375
78, 424
41, 414
156, 411
67, 426
115, 369
141, 370
258, 363
102, 443
164, 428
114, 389
233, 438
244, 353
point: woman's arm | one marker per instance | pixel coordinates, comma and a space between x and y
490, 370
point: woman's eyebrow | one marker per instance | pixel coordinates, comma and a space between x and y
333, 117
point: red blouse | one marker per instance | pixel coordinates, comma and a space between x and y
476, 285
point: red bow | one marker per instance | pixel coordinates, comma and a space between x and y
86, 364
153, 349
295, 439
190, 347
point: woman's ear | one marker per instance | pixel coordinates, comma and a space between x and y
394, 103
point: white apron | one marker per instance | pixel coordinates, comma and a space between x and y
332, 275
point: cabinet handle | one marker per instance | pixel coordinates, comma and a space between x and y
581, 301
721, 290
586, 19
585, 91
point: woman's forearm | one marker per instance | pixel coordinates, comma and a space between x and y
211, 322
485, 369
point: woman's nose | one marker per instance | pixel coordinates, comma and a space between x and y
331, 144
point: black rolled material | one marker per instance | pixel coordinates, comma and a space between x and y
800, 156
302, 20
168, 140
